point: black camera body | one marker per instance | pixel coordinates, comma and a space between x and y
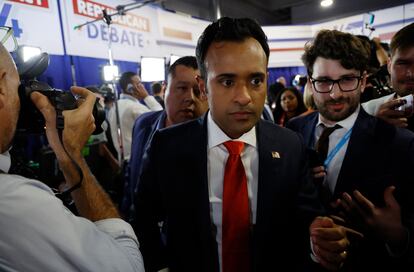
31, 119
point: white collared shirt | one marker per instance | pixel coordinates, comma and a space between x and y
5, 162
336, 163
129, 109
217, 155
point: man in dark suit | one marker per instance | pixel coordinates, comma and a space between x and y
188, 195
367, 163
184, 102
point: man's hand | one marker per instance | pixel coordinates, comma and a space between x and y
140, 91
391, 115
330, 242
384, 222
79, 123
318, 172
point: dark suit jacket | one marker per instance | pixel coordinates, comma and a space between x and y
378, 155
142, 133
174, 189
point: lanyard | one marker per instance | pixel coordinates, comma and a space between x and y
338, 147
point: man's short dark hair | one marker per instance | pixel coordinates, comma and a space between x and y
403, 39
187, 61
156, 88
336, 45
229, 29
125, 79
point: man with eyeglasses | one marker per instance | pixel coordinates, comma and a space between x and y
359, 162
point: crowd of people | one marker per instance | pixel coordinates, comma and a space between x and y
215, 171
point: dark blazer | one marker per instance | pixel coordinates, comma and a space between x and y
378, 155
174, 189
142, 133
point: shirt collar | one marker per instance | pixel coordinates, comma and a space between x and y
5, 162
216, 136
127, 96
347, 123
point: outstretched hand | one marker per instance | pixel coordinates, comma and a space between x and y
385, 222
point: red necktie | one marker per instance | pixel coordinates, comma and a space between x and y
236, 212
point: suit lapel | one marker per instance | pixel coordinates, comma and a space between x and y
207, 235
309, 130
269, 167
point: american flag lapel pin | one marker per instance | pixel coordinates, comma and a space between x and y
275, 155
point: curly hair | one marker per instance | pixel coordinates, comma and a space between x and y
336, 45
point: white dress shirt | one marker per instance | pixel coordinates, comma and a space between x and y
5, 162
129, 109
334, 167
217, 157
38, 233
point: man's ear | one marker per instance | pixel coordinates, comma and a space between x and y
202, 86
389, 65
3, 87
364, 81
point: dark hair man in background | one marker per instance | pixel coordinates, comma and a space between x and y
250, 213
129, 109
401, 69
183, 102
157, 89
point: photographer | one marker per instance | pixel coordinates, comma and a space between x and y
37, 232
401, 69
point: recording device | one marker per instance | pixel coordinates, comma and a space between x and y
130, 88
30, 118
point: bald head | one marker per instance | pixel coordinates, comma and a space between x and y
6, 61
9, 99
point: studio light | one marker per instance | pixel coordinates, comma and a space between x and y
326, 3
28, 52
110, 72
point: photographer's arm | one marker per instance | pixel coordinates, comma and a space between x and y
90, 199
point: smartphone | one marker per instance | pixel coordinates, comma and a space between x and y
130, 88
408, 107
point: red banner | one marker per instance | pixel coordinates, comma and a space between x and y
94, 10
36, 3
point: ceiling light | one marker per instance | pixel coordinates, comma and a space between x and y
326, 3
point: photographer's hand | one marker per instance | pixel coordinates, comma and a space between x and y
389, 114
90, 200
48, 111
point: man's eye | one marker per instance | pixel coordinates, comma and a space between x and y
227, 82
256, 81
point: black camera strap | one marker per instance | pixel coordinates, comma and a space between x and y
65, 195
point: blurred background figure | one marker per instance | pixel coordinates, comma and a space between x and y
282, 80
308, 100
289, 103
158, 90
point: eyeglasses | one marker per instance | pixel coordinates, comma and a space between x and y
346, 84
7, 39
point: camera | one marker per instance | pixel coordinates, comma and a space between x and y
31, 119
